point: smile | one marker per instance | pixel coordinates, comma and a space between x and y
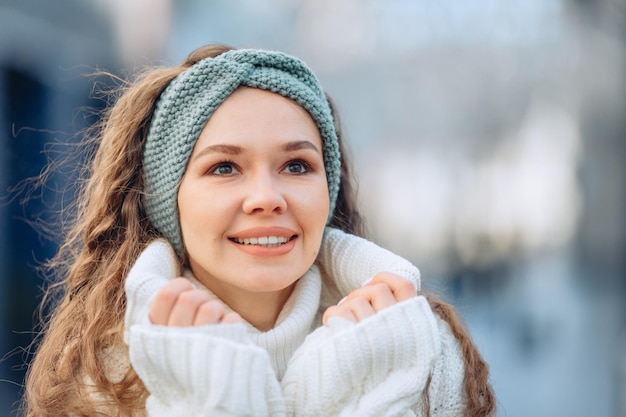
265, 241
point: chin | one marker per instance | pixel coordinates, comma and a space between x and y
270, 285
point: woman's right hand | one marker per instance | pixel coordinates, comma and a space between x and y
180, 304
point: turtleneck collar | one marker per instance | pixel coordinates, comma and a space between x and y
293, 324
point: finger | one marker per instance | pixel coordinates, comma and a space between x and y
231, 318
209, 312
338, 311
401, 288
186, 307
360, 307
379, 296
166, 297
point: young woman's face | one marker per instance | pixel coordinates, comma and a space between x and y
254, 202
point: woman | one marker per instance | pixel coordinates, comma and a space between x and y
214, 267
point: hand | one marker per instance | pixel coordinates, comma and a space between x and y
397, 349
384, 290
179, 304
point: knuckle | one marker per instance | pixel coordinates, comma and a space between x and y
172, 289
380, 288
191, 296
213, 307
185, 297
359, 299
353, 295
385, 276
167, 295
232, 316
355, 301
405, 285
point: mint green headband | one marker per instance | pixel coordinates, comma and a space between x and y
187, 104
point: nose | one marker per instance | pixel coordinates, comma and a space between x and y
264, 196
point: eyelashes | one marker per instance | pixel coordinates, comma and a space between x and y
297, 167
224, 168
228, 168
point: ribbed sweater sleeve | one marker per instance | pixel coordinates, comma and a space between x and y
377, 367
447, 392
196, 371
408, 339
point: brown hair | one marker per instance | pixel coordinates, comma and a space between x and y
108, 232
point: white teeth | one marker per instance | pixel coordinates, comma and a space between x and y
267, 241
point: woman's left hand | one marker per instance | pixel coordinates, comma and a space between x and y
389, 354
382, 291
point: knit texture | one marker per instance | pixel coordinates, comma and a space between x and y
193, 371
361, 259
377, 367
293, 324
188, 102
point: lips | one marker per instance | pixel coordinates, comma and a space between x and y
267, 237
266, 241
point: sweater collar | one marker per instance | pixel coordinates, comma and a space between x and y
293, 324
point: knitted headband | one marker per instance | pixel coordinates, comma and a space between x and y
187, 104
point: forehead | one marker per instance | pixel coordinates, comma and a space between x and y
255, 115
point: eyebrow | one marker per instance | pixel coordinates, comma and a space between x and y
236, 150
224, 149
299, 144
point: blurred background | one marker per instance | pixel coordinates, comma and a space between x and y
488, 138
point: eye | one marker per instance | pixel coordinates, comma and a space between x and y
224, 168
297, 167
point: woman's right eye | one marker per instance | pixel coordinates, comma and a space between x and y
224, 168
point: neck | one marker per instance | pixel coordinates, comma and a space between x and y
260, 309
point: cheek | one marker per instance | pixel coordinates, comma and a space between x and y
197, 209
318, 218
316, 204
324, 200
183, 207
187, 205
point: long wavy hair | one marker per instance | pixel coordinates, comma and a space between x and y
108, 230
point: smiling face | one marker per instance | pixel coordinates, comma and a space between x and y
254, 200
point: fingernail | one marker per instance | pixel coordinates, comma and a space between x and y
342, 300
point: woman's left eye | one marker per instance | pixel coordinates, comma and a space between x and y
297, 167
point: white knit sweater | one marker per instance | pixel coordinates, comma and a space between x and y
377, 367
